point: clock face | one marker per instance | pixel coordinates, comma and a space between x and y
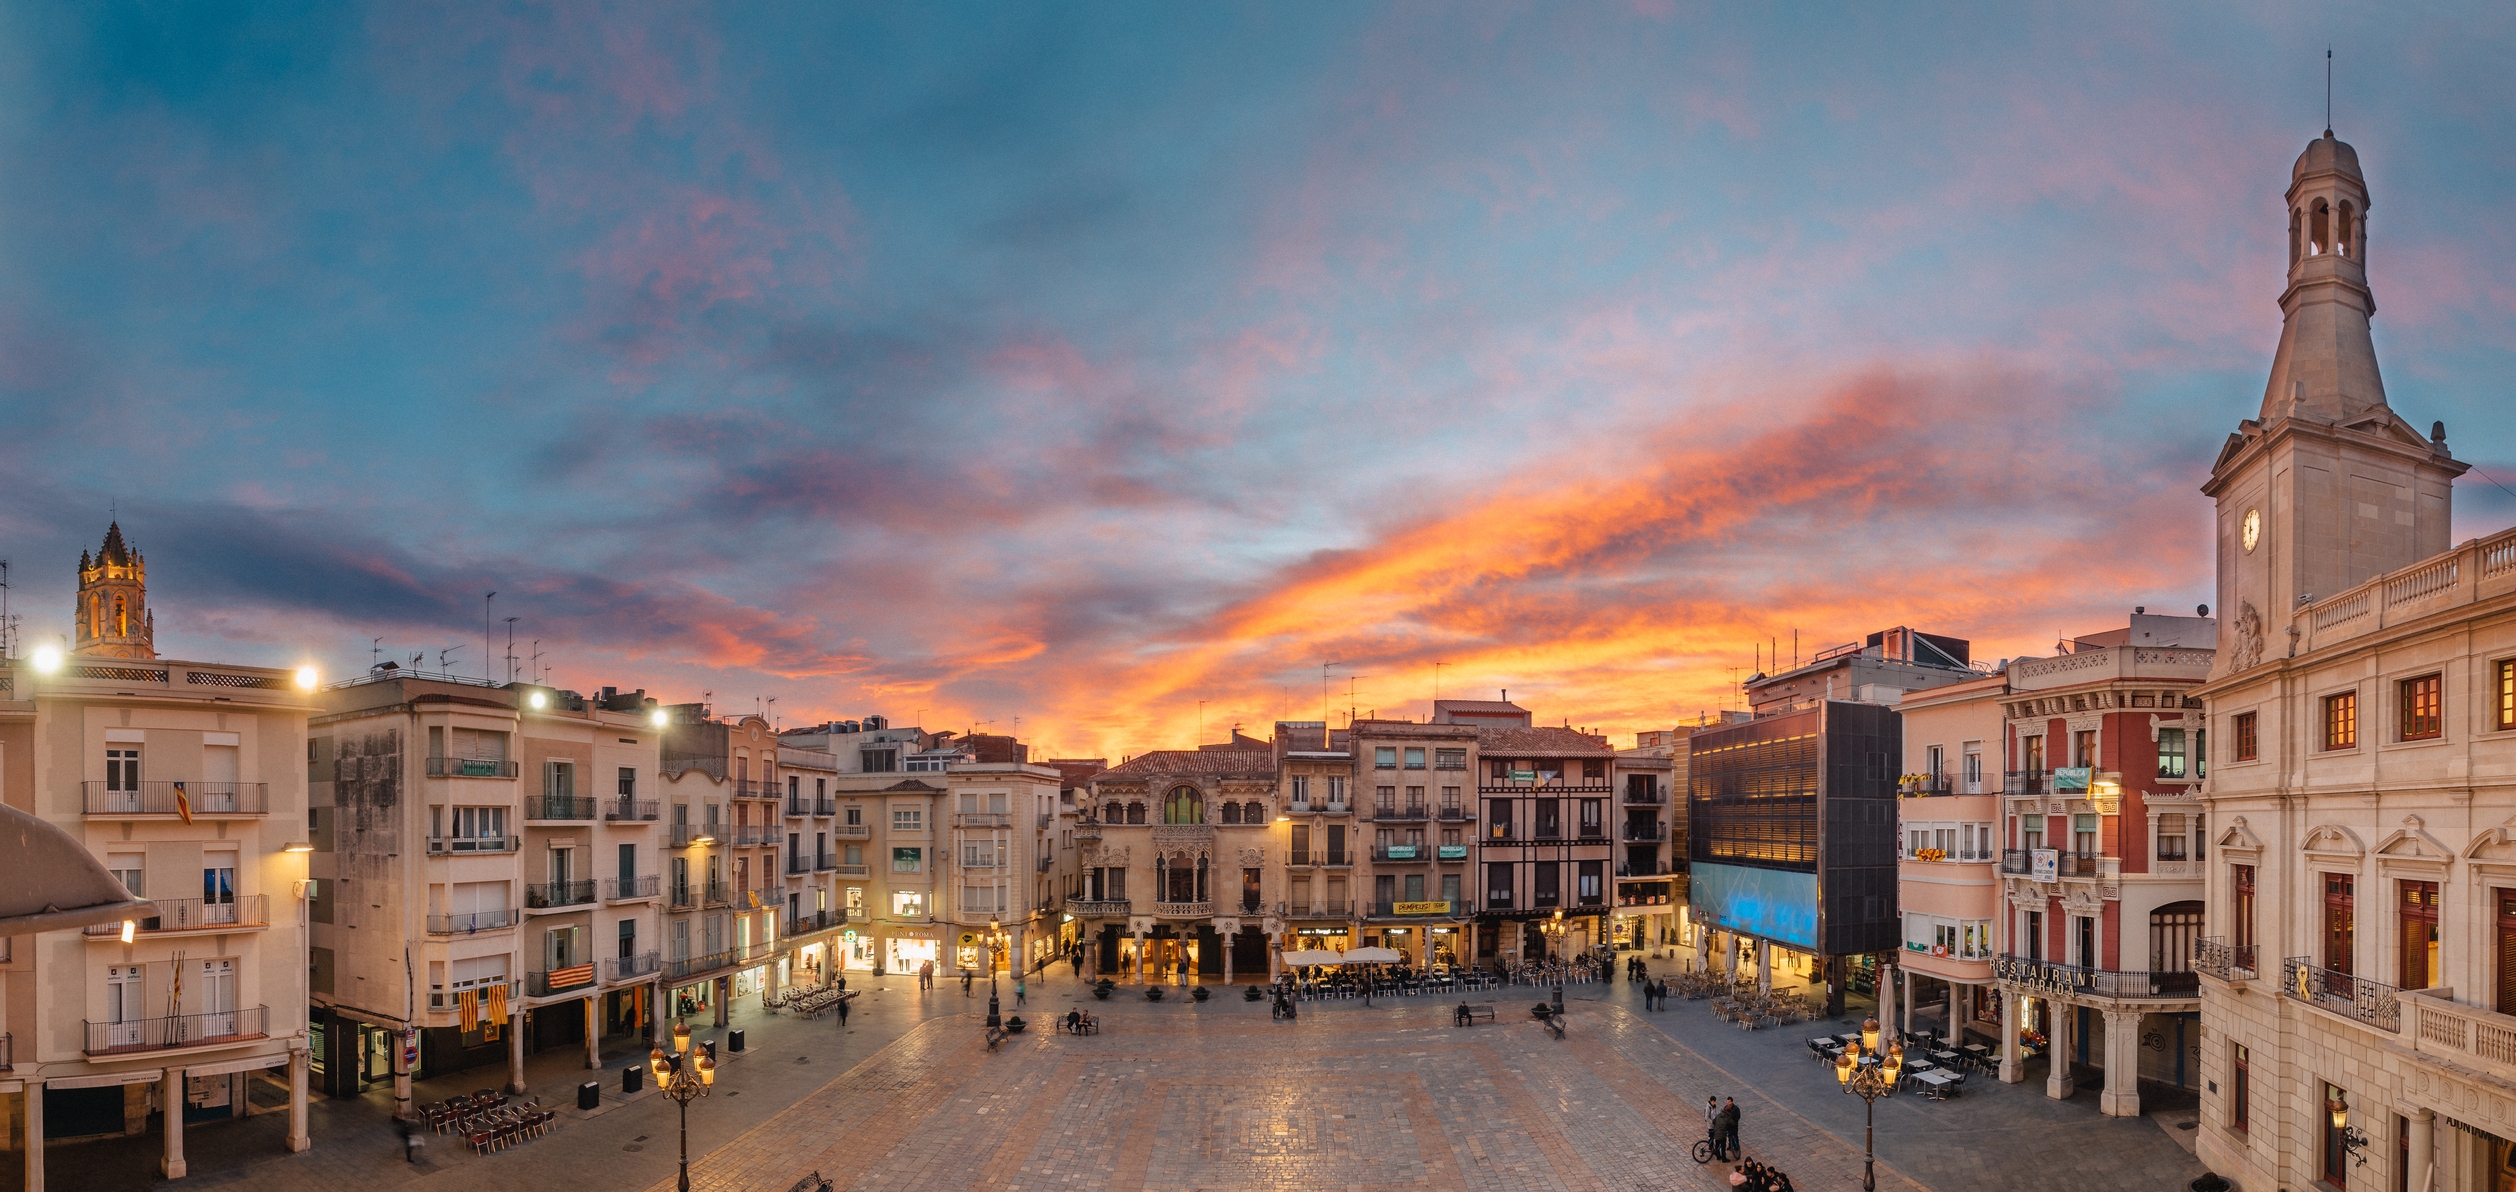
2253, 531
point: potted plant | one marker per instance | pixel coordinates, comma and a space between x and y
1101, 991
1014, 1025
2209, 1181
1153, 993
1199, 993
1250, 993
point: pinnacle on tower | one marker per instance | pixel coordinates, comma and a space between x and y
2325, 370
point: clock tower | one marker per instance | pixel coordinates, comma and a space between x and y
2326, 487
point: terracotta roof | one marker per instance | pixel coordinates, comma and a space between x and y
1193, 763
1514, 741
1480, 706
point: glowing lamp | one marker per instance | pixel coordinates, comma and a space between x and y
130, 930
306, 678
707, 1068
297, 846
660, 718
538, 700
47, 659
1869, 1036
659, 1063
2340, 1110
681, 1037
1895, 1061
1843, 1066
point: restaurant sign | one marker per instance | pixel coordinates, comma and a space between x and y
1423, 908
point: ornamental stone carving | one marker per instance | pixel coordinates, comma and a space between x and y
2249, 638
1253, 856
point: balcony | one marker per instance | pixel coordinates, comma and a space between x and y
1630, 869
1654, 832
1916, 785
754, 835
470, 767
683, 898
192, 914
2021, 861
1455, 815
825, 862
816, 921
1087, 830
474, 844
982, 819
1655, 797
852, 870
558, 807
2215, 956
1451, 852
471, 921
2466, 1036
618, 810
630, 968
1319, 808
686, 835
559, 980
205, 800
1401, 852
1316, 909
626, 889
181, 1030
719, 894
2372, 1002
2070, 980
1412, 811
1098, 908
825, 807
798, 806
554, 895
852, 831
691, 966
2026, 782
1184, 910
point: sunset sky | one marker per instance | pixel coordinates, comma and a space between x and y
1083, 363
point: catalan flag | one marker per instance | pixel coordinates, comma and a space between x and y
183, 803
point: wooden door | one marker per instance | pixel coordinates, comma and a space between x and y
2417, 920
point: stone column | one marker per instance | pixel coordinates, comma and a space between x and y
2121, 1097
401, 1069
298, 1067
659, 1009
593, 1031
172, 1165
34, 1096
2013, 1016
2057, 1081
1904, 979
1135, 966
1955, 1028
1227, 957
2423, 1147
1764, 964
724, 999
515, 1050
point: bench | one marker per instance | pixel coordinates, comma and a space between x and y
1088, 1026
1474, 1015
811, 1183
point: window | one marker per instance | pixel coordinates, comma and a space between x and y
1301, 791
559, 780
2170, 753
2201, 753
856, 900
1415, 758
2507, 693
1550, 817
2340, 921
1935, 762
1547, 884
2033, 747
2336, 1157
1973, 761
1385, 757
122, 771
1301, 844
1385, 801
908, 904
908, 819
628, 782
1135, 813
1185, 805
2241, 1090
127, 869
2248, 747
1336, 792
2083, 748
1498, 884
1593, 817
2418, 924
1498, 818
1253, 813
855, 817
218, 889
1592, 877
480, 823
2341, 720
2083, 835
908, 860
1231, 813
2423, 701
1450, 759
2241, 880
2171, 836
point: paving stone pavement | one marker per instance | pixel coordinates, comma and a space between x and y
1216, 1096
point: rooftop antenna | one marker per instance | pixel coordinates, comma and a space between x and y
2328, 92
375, 650
1201, 722
1350, 700
511, 649
773, 714
1323, 690
444, 656
484, 632
5, 625
537, 660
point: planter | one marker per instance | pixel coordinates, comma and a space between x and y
1101, 992
2209, 1181
1251, 994
1015, 1025
1199, 993
1542, 1011
1153, 993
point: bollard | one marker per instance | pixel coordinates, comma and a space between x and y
733, 1040
590, 1095
632, 1078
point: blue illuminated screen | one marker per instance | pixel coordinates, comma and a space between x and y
1772, 903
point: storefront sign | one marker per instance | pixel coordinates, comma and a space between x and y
2047, 864
1422, 908
1524, 776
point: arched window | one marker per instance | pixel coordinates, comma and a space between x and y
122, 618
1135, 813
2297, 227
2172, 929
1185, 805
1231, 813
2342, 230
2319, 228
1254, 813
1114, 814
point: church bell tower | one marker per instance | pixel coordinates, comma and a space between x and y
113, 612
2326, 487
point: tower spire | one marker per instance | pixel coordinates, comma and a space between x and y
2325, 368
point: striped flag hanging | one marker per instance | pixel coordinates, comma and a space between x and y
183, 803
565, 978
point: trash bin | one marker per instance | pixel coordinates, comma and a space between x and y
590, 1095
733, 1040
632, 1078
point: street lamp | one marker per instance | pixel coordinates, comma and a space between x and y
995, 939
1864, 1071
684, 1078
2353, 1140
1554, 929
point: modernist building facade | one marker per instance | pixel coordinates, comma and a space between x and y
2359, 988
1175, 864
185, 780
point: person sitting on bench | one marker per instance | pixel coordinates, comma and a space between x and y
1074, 1022
1462, 1016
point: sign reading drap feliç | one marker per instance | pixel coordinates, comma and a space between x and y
1421, 908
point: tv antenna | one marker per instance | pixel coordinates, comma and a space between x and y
511, 649
445, 658
375, 653
537, 660
2328, 92
485, 616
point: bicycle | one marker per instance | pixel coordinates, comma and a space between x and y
1703, 1150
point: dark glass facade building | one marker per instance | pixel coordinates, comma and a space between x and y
1791, 828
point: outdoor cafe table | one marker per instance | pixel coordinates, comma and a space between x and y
1937, 1080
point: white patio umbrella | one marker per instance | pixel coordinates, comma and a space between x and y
1311, 956
1373, 956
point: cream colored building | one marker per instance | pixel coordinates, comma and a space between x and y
185, 780
1948, 883
2359, 1002
724, 831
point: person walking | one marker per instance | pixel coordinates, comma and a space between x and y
1078, 959
925, 975
843, 1013
1017, 993
966, 977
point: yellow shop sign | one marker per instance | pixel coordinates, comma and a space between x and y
1423, 908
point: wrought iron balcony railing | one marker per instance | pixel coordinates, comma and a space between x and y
474, 844
471, 921
2228, 962
545, 895
622, 889
202, 799
558, 807
180, 1030
2076, 980
470, 767
2373, 1002
194, 914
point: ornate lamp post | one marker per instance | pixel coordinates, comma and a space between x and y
684, 1078
1869, 1081
1554, 929
996, 938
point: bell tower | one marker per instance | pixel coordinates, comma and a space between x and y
2326, 487
113, 615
